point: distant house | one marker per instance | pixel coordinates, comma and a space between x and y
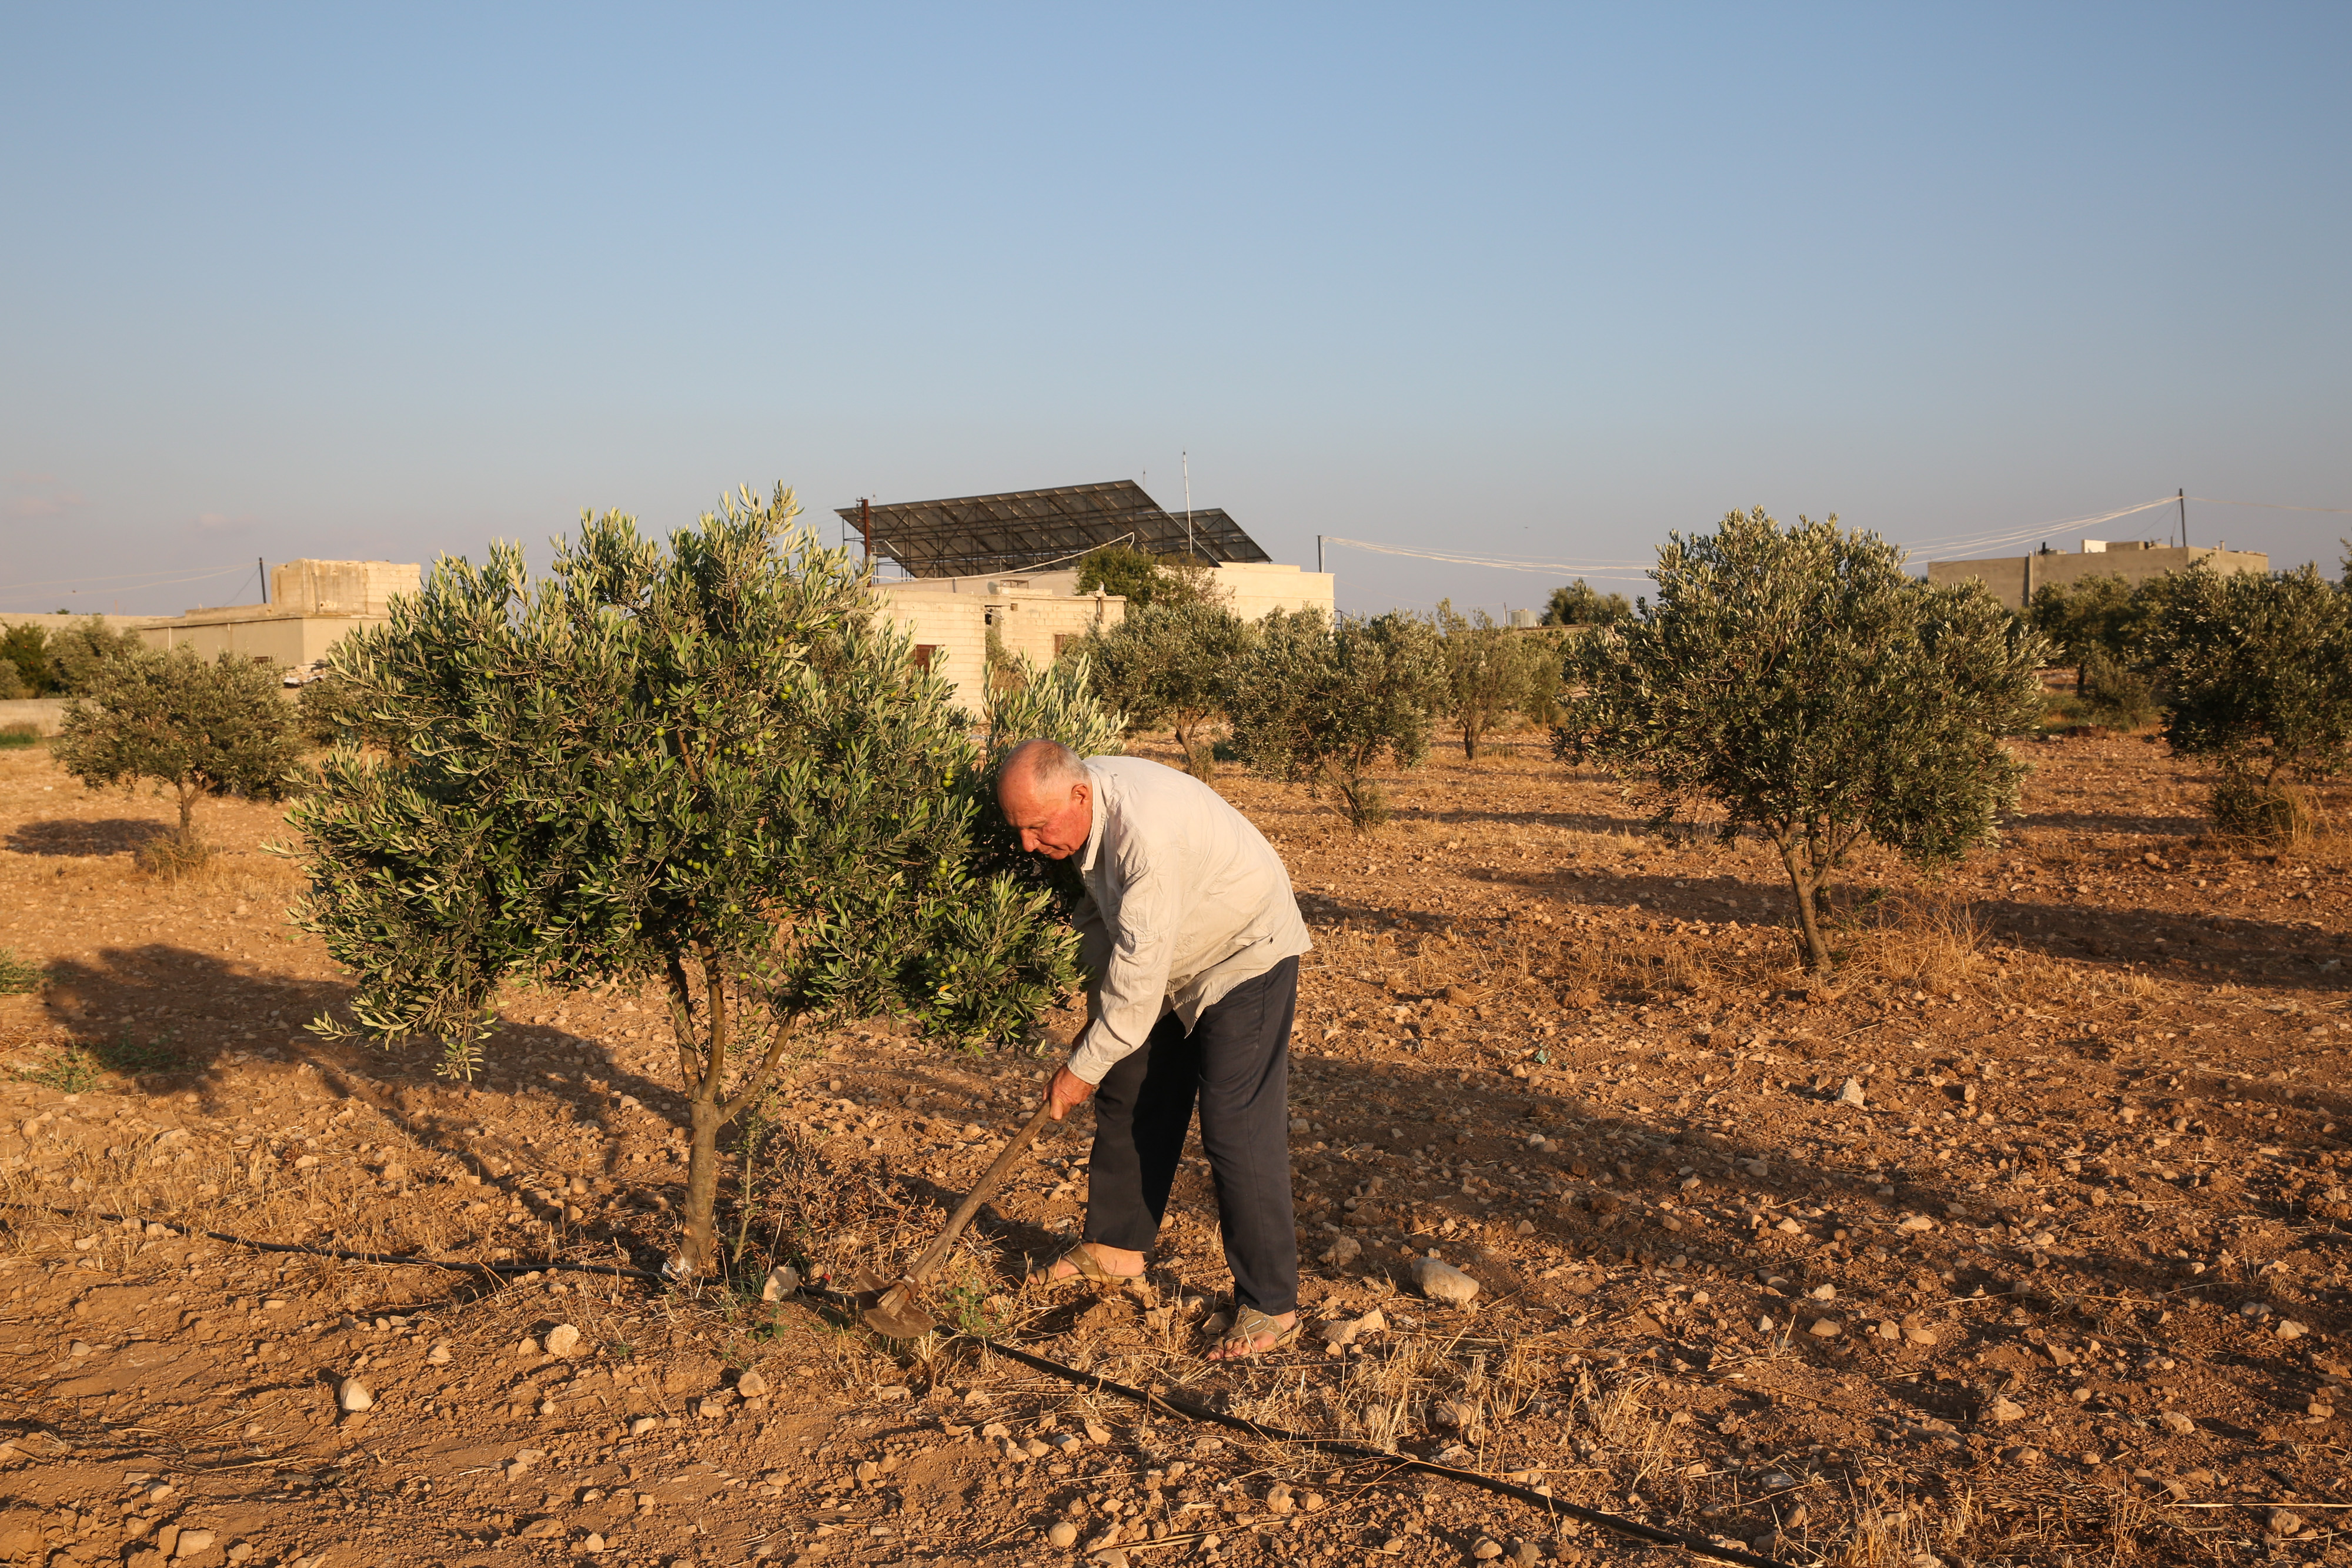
2013, 579
1008, 563
312, 605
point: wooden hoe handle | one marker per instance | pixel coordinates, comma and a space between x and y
937, 1252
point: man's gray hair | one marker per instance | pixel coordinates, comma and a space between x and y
1043, 765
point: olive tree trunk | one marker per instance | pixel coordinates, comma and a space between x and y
705, 1043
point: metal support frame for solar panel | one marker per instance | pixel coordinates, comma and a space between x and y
1024, 531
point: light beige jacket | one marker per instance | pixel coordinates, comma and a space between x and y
1185, 900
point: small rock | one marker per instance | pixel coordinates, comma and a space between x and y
2003, 1410
395, 1174
1443, 1282
191, 1541
1823, 1292
752, 1386
79, 1349
711, 1409
527, 1347
594, 1542
2290, 1329
439, 1354
782, 1281
240, 1552
1486, 1550
351, 1395
1526, 1553
1097, 1434
643, 1425
2282, 1522
1776, 1481
1278, 1498
2176, 1422
1924, 1338
1062, 1534
1852, 1093
2319, 1410
1393, 1546
563, 1340
1826, 1328
867, 1471
1343, 1250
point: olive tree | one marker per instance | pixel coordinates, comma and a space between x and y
195, 727
707, 765
1321, 704
1172, 664
1802, 681
1487, 674
2259, 671
1582, 604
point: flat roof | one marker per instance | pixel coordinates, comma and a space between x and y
1023, 531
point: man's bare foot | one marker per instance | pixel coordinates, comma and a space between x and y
1254, 1333
1116, 1261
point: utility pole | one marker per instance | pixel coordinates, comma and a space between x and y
1188, 502
259, 571
2184, 516
1319, 552
865, 528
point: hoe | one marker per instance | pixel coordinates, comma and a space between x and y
894, 1314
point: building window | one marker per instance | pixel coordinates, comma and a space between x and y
1063, 640
924, 654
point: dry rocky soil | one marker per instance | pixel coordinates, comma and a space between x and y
2023, 1239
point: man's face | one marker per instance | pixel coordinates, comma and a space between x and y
1051, 822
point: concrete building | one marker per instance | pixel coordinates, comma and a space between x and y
313, 605
950, 620
2013, 579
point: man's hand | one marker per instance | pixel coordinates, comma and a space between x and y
1068, 1092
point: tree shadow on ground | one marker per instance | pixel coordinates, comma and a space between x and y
174, 1018
71, 836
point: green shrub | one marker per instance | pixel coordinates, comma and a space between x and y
196, 728
15, 736
1322, 704
1806, 684
1487, 675
1582, 604
2258, 674
705, 764
1170, 664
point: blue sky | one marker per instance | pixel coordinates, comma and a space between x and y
1531, 281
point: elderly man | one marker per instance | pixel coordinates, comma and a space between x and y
1191, 943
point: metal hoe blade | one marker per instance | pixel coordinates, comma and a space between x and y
893, 1314
896, 1315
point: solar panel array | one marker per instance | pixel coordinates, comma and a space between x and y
1024, 530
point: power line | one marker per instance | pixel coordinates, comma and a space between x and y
126, 577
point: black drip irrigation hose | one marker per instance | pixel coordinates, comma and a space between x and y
393, 1260
1149, 1400
1174, 1405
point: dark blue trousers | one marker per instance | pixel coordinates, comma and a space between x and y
1235, 1064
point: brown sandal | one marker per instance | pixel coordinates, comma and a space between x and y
1249, 1325
1090, 1269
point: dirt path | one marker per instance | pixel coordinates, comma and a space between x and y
2024, 1241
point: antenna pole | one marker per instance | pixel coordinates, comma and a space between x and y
258, 565
865, 528
1319, 552
1188, 503
2184, 516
